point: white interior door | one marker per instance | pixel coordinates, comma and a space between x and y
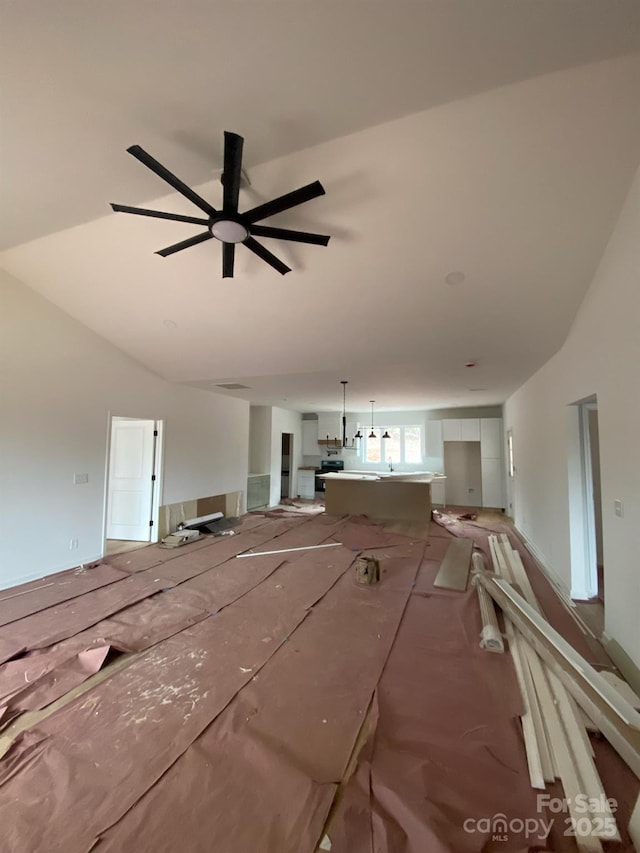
130, 491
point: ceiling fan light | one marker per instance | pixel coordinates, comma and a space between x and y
229, 231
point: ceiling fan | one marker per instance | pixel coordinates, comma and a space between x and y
228, 225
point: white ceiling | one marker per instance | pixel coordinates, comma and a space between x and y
486, 137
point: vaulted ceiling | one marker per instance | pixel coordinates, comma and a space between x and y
475, 155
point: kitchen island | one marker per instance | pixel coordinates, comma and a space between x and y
393, 496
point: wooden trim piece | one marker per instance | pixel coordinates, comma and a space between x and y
287, 550
634, 825
532, 670
532, 749
606, 826
574, 672
618, 704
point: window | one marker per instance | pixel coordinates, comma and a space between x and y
404, 445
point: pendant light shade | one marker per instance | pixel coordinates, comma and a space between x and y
386, 434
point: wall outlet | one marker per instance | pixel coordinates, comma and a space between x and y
618, 508
80, 479
73, 544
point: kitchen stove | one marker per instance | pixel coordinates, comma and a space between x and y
327, 466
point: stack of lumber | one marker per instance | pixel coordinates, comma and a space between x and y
559, 688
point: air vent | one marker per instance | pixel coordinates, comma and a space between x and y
233, 386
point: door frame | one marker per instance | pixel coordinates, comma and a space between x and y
584, 560
156, 489
511, 474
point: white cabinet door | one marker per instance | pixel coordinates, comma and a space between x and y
310, 446
434, 439
437, 493
491, 438
451, 430
492, 483
470, 429
306, 484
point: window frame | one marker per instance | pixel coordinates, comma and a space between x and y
403, 445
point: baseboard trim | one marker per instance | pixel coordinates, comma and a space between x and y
622, 660
551, 576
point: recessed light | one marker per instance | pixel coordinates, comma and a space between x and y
170, 324
455, 278
478, 389
470, 363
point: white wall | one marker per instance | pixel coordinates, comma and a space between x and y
284, 421
59, 382
601, 356
260, 440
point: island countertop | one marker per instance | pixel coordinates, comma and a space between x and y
394, 476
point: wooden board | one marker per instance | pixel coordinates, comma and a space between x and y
454, 571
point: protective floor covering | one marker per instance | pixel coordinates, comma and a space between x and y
232, 726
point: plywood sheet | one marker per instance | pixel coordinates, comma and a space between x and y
454, 571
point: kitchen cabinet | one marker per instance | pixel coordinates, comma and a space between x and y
492, 462
434, 439
438, 493
310, 446
492, 483
470, 429
258, 488
306, 483
451, 430
461, 429
491, 438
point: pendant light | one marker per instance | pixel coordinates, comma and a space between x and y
345, 443
372, 433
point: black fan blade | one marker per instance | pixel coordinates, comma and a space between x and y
292, 199
266, 255
142, 211
232, 171
147, 160
286, 234
228, 255
185, 244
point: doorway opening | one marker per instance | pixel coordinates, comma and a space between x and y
286, 455
132, 495
585, 504
511, 477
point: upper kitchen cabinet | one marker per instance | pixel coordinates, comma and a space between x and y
310, 446
491, 438
461, 429
433, 439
